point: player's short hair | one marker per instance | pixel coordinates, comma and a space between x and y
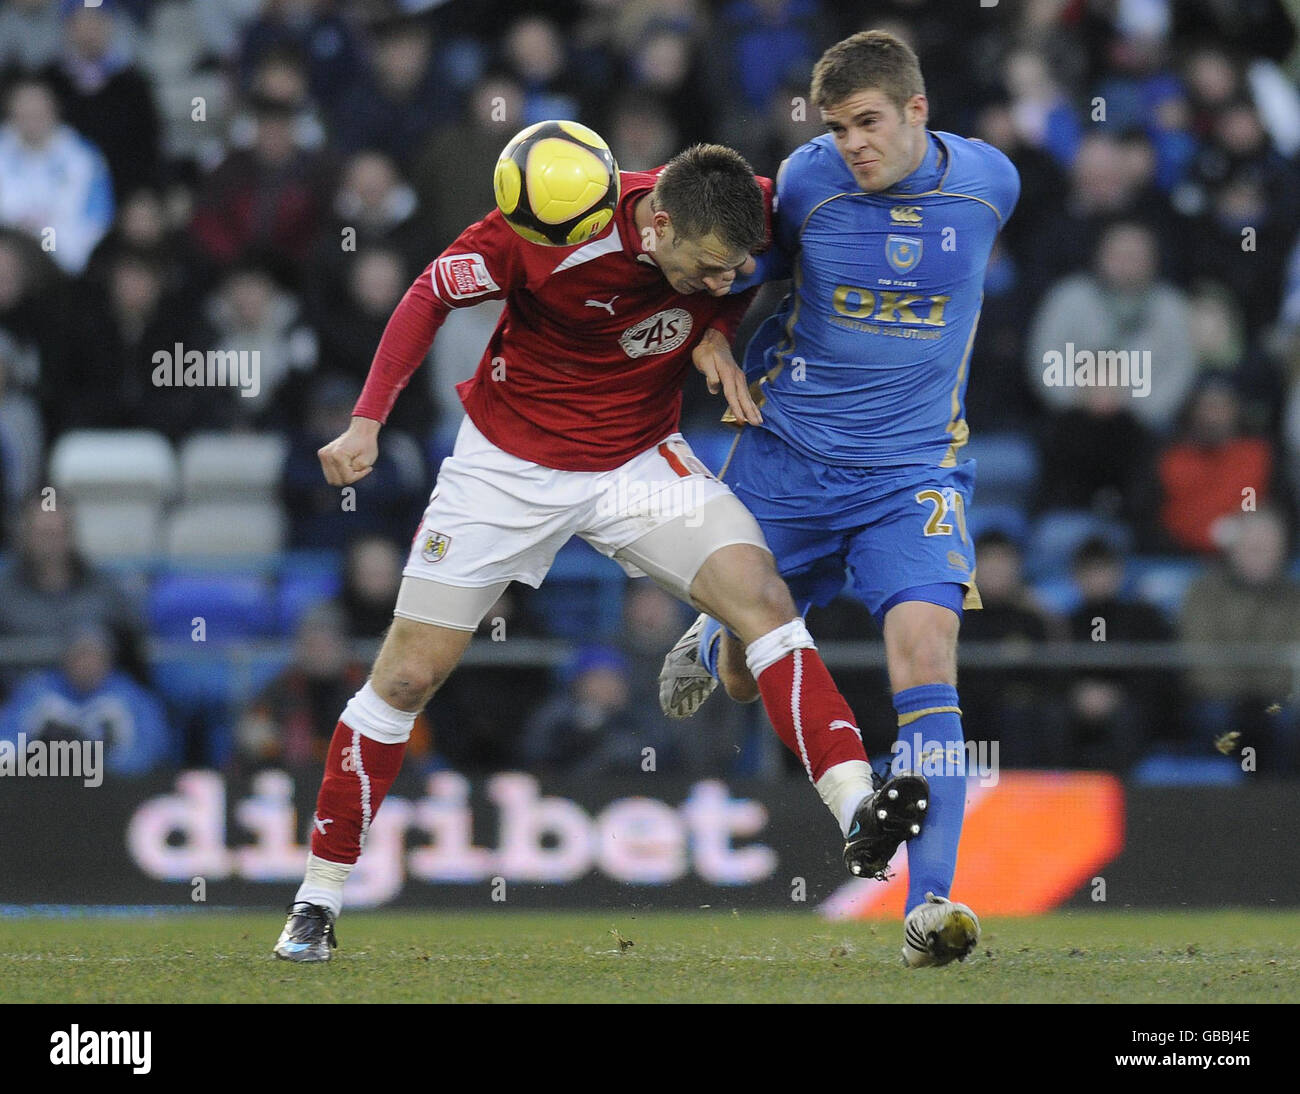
711, 189
866, 60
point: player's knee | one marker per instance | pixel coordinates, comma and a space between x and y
739, 585
406, 673
406, 683
927, 657
770, 598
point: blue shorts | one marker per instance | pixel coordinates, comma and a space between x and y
884, 530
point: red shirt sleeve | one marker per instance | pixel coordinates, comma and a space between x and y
732, 312
484, 263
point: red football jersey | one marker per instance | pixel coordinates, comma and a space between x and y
585, 368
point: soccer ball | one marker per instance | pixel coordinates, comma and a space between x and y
556, 183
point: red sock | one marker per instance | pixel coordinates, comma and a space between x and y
809, 713
351, 793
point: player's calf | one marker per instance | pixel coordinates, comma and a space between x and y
741, 587
733, 672
364, 758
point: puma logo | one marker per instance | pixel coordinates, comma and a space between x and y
319, 824
601, 304
840, 723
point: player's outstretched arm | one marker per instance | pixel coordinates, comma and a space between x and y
351, 456
713, 358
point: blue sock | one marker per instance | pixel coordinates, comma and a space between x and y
710, 641
929, 714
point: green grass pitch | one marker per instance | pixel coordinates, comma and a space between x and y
708, 956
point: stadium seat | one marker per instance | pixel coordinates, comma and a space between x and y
308, 563
1058, 595
1010, 520
1163, 582
228, 466
113, 464
232, 606
582, 597
299, 592
225, 529
1168, 769
112, 530
1058, 533
209, 688
1008, 468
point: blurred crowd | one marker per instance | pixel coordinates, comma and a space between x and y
272, 174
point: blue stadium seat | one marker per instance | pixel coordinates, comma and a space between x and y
1059, 595
1169, 769
1010, 520
213, 689
582, 597
1163, 582
299, 594
1057, 534
1009, 467
307, 561
307, 578
232, 606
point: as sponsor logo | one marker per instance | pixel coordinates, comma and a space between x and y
663, 332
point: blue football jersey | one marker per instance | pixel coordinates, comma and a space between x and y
866, 360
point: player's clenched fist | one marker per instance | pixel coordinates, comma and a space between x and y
713, 358
351, 456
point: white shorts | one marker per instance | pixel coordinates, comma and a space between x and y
494, 518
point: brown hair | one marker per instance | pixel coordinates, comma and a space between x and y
711, 189
868, 59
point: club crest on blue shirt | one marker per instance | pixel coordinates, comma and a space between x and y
903, 252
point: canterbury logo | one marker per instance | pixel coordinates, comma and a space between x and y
905, 214
601, 304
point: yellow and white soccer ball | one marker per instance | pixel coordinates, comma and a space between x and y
556, 183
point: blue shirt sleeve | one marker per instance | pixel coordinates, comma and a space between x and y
776, 263
1003, 180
